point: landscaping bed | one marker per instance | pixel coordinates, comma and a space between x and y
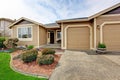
6, 73
33, 67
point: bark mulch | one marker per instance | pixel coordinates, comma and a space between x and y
33, 67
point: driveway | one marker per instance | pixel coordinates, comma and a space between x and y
75, 65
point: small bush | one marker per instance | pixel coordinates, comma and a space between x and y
2, 39
30, 47
11, 43
29, 55
45, 60
101, 45
48, 51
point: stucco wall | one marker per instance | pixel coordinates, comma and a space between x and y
64, 25
42, 36
104, 18
35, 39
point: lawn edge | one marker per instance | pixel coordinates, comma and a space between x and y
25, 73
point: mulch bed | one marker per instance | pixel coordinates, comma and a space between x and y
33, 67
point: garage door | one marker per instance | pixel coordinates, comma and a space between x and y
78, 38
111, 36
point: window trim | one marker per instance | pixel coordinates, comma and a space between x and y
25, 39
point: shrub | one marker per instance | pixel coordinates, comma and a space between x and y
29, 55
101, 45
45, 59
48, 51
30, 47
11, 43
2, 39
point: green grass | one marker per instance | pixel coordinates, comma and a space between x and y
6, 73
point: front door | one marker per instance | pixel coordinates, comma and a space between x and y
51, 37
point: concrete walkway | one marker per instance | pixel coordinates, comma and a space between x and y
80, 66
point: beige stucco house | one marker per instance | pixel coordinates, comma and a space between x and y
76, 34
86, 33
30, 32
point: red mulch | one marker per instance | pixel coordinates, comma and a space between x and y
33, 67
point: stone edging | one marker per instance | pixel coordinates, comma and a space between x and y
25, 73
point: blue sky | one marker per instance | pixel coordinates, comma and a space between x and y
48, 11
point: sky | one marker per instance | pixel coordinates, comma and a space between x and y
49, 11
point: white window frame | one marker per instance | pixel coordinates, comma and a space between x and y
25, 39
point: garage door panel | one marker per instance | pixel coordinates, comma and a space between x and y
111, 36
78, 38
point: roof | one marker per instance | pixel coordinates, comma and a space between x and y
74, 20
91, 17
23, 18
7, 19
52, 25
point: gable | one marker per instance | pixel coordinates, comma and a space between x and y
24, 22
114, 11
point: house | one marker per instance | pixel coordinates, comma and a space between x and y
30, 32
75, 34
86, 33
4, 29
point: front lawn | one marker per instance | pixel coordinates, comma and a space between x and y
6, 73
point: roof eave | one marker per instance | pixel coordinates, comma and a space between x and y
104, 11
22, 18
78, 20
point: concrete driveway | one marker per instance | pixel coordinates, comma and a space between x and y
75, 65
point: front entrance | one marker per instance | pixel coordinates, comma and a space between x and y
51, 37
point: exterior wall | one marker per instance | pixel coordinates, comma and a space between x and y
102, 19
34, 40
64, 25
42, 36
4, 29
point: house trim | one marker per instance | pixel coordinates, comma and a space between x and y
62, 30
101, 28
78, 26
95, 25
38, 35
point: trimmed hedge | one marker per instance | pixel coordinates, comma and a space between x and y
48, 51
45, 60
29, 55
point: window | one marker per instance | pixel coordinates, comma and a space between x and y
24, 32
58, 34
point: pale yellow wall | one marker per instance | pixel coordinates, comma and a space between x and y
34, 36
73, 23
42, 36
100, 20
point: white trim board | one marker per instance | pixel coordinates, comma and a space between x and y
95, 26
